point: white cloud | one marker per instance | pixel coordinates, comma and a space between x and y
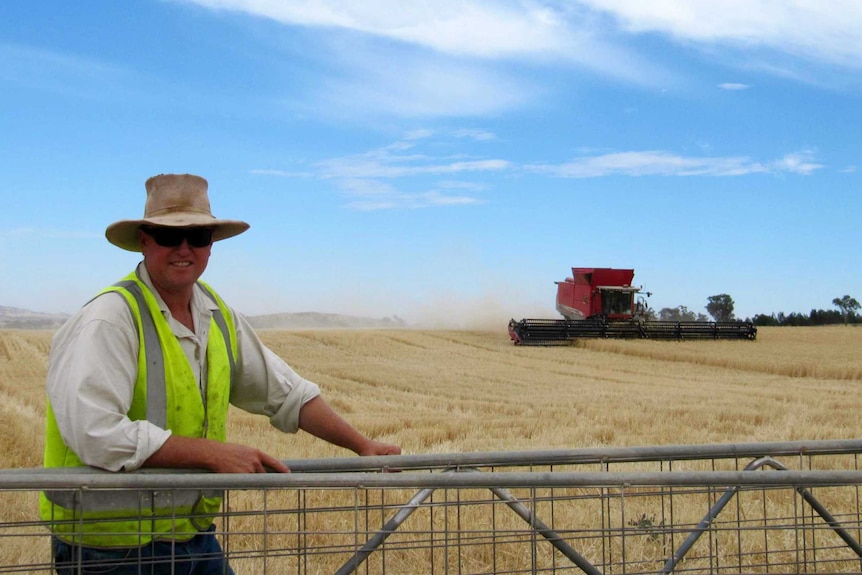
361, 178
538, 31
420, 134
733, 86
477, 135
662, 163
377, 179
651, 163
411, 202
282, 173
579, 30
486, 29
797, 163
458, 185
399, 161
467, 58
374, 196
418, 85
826, 31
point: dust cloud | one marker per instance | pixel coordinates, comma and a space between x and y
485, 313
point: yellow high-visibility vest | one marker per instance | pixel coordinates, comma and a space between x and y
166, 394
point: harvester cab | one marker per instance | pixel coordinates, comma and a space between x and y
597, 293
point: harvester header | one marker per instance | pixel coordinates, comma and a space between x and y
601, 302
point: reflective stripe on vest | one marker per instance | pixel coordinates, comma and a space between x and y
157, 394
157, 401
221, 322
121, 499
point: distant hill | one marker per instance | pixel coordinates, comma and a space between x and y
315, 320
17, 318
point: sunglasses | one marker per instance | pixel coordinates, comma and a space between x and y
172, 237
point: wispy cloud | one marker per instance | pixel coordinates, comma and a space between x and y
403, 176
472, 28
379, 179
580, 30
733, 86
662, 163
801, 163
477, 135
403, 159
372, 165
448, 58
282, 173
398, 200
481, 58
828, 32
461, 185
415, 84
420, 134
373, 195
361, 176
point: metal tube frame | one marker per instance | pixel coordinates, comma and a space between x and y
459, 472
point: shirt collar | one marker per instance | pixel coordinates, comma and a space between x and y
199, 299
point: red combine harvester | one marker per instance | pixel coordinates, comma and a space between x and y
601, 302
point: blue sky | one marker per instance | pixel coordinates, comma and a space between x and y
444, 161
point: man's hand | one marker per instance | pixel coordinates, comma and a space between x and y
233, 458
213, 455
379, 448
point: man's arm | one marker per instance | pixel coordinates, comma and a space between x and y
268, 385
214, 456
319, 419
316, 417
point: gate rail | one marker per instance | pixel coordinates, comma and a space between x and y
722, 508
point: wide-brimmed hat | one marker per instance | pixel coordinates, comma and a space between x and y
177, 201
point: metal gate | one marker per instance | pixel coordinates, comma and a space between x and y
782, 507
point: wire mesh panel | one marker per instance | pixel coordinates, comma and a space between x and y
755, 508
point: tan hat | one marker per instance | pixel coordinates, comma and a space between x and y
173, 200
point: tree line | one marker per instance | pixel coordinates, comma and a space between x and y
720, 308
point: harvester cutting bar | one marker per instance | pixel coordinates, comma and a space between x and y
699, 330
561, 331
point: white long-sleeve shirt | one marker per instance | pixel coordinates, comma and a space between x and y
92, 370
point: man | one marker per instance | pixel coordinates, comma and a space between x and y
142, 376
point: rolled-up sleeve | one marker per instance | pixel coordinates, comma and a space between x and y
91, 379
266, 384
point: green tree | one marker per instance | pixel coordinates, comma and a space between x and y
720, 307
680, 313
763, 319
848, 306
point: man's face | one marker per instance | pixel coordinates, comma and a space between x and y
175, 267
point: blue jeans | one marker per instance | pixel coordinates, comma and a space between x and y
201, 555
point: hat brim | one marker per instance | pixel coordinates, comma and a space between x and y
124, 233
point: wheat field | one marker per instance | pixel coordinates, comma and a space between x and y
463, 391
